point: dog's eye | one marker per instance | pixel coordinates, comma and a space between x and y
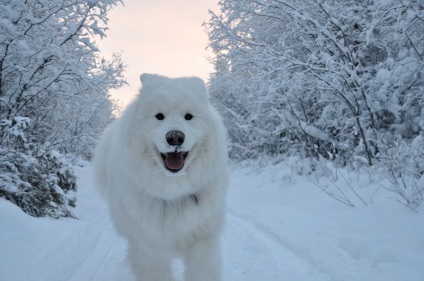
160, 116
188, 116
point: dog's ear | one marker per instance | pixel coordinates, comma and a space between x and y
148, 78
197, 82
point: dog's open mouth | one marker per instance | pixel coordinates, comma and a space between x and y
174, 161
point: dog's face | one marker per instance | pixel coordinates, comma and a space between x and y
175, 121
176, 133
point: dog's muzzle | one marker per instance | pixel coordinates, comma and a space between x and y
174, 161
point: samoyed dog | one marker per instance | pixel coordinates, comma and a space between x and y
162, 168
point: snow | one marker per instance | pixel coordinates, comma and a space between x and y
280, 226
315, 132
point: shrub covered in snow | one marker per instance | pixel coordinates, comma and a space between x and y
53, 97
35, 178
404, 162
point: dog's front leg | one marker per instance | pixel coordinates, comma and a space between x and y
203, 261
148, 267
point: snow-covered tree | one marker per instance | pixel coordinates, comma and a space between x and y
51, 70
53, 86
333, 76
335, 79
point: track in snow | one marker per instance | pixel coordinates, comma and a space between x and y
265, 254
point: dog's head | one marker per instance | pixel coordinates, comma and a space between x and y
174, 116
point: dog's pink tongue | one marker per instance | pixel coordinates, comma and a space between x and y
174, 160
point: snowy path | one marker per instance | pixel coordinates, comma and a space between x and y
277, 257
274, 231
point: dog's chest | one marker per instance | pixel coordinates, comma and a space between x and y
165, 218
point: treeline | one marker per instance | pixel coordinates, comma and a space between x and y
54, 97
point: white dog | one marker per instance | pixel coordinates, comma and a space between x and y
162, 167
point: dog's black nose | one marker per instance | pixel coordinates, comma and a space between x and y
175, 137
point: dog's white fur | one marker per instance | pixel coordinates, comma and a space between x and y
164, 214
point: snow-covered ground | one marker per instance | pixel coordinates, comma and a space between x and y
280, 226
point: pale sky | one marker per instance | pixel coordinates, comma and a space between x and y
159, 36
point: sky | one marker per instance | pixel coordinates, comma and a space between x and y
159, 36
